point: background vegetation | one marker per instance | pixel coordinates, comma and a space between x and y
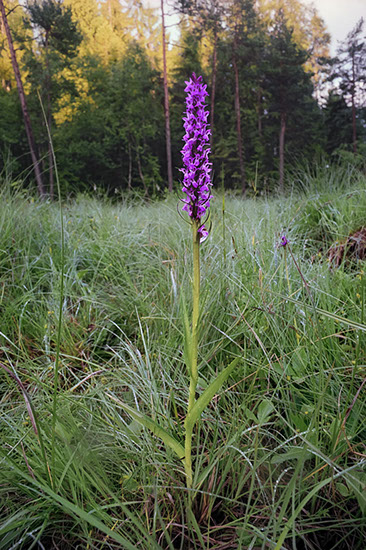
97, 67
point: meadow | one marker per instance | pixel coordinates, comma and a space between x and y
279, 453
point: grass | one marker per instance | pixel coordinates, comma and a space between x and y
279, 455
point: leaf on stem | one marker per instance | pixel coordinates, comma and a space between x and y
208, 394
148, 423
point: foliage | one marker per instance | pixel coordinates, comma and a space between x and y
309, 32
97, 67
13, 135
289, 95
114, 138
350, 66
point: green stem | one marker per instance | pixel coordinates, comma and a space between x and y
52, 474
194, 350
224, 229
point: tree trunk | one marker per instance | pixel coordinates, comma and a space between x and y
129, 181
2, 29
259, 111
238, 123
166, 106
282, 149
23, 103
141, 173
213, 83
353, 93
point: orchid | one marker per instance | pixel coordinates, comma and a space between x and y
196, 185
283, 241
197, 168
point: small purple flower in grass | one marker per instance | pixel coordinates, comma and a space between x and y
197, 168
283, 241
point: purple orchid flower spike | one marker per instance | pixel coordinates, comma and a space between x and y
284, 241
197, 168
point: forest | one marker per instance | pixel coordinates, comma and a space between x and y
182, 277
107, 79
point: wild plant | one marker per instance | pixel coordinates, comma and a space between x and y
196, 186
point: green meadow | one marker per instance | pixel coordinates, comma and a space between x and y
92, 318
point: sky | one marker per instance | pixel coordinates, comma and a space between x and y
340, 16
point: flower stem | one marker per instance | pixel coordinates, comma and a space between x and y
194, 350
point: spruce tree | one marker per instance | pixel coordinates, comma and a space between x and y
287, 84
349, 68
58, 39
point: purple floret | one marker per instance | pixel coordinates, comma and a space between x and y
284, 241
196, 166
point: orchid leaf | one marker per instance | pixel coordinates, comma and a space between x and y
264, 411
208, 394
153, 426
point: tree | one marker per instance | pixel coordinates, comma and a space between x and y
337, 122
58, 38
207, 18
104, 98
286, 81
187, 61
350, 67
23, 102
237, 112
6, 69
143, 27
244, 31
309, 32
112, 12
166, 104
115, 137
134, 90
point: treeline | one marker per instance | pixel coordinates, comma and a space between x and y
94, 72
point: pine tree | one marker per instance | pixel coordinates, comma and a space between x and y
168, 145
244, 34
337, 122
14, 14
350, 67
286, 81
309, 33
57, 38
207, 19
23, 102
